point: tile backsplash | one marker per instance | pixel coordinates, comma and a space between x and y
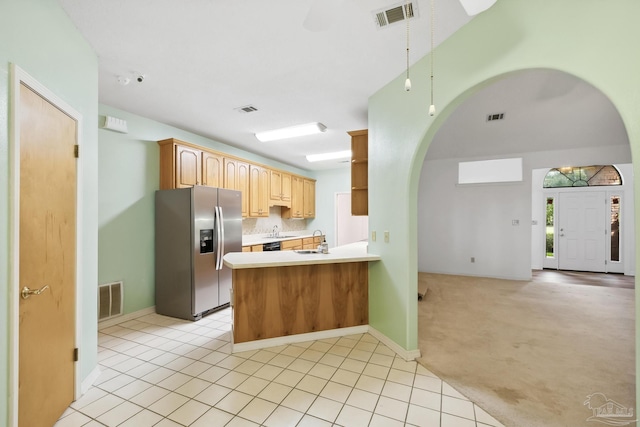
265, 225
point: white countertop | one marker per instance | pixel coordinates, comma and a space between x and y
354, 252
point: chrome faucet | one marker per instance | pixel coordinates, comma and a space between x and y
317, 231
275, 231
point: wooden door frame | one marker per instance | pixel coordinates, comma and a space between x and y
18, 76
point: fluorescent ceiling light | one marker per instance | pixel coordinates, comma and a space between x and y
290, 132
329, 156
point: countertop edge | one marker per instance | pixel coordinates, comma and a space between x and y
271, 259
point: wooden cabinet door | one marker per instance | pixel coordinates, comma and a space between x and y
279, 188
286, 189
243, 185
211, 169
258, 191
309, 199
188, 166
236, 177
297, 195
275, 187
230, 174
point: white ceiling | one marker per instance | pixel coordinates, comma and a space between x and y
202, 59
544, 110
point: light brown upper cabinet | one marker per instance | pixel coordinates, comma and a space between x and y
297, 196
359, 172
309, 199
258, 191
236, 177
212, 168
280, 188
183, 165
188, 167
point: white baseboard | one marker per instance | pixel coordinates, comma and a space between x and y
125, 317
320, 335
405, 354
88, 382
290, 339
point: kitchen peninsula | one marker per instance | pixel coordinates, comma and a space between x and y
281, 294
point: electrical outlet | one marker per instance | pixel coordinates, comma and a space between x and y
473, 259
386, 237
373, 236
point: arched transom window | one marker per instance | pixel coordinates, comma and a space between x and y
582, 176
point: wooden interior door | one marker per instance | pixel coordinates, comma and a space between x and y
47, 258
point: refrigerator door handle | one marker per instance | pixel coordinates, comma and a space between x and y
220, 237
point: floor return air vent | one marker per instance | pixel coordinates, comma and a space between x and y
110, 300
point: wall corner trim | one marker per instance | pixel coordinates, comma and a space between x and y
88, 382
407, 355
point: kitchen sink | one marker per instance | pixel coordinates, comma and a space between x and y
281, 236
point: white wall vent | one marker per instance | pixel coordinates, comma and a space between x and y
246, 109
397, 13
115, 124
110, 299
497, 116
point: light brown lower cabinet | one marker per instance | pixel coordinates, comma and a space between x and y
280, 301
290, 245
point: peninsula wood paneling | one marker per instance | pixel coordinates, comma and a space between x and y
279, 301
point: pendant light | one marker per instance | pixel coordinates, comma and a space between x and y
407, 82
432, 107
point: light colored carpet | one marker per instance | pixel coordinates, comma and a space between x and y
529, 353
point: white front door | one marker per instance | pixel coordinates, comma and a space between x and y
582, 231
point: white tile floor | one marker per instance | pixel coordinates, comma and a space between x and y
160, 371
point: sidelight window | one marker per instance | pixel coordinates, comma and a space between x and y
615, 228
550, 230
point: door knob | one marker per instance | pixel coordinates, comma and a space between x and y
26, 292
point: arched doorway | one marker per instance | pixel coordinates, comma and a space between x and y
486, 229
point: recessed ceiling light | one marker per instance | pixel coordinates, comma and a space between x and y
329, 156
290, 132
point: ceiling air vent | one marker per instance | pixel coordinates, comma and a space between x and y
246, 109
497, 116
397, 13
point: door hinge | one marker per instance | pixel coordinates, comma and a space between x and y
75, 354
76, 151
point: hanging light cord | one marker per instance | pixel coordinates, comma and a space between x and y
432, 108
407, 82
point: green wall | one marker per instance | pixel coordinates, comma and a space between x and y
593, 40
37, 36
128, 178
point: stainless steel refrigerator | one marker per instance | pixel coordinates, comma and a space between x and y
195, 227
